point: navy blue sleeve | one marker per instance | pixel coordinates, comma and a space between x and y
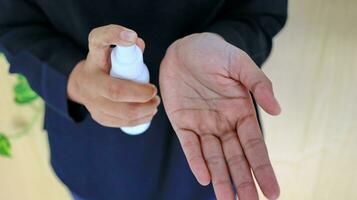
44, 56
251, 24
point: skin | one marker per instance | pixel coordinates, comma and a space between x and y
111, 102
205, 84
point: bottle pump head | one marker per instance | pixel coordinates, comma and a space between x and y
127, 54
127, 62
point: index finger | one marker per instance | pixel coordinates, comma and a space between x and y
121, 90
105, 36
100, 39
244, 69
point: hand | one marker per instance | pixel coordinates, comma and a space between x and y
205, 84
111, 102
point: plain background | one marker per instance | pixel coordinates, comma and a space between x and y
313, 144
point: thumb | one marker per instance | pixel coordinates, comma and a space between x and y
242, 68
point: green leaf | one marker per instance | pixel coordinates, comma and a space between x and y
5, 146
23, 92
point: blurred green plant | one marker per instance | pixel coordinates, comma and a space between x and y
23, 92
5, 146
23, 95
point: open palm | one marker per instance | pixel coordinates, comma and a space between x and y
205, 84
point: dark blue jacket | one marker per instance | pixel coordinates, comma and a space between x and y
44, 39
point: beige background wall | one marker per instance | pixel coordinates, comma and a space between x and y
313, 144
27, 174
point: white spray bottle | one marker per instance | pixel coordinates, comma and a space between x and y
127, 63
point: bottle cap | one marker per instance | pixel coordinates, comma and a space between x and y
127, 62
127, 54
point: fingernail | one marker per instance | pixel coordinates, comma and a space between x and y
128, 35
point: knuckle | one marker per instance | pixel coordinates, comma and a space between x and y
155, 101
261, 168
215, 160
154, 112
256, 85
246, 118
209, 140
92, 36
90, 107
96, 117
228, 137
114, 91
254, 143
133, 113
114, 27
190, 144
236, 160
245, 184
111, 26
203, 127
223, 182
93, 115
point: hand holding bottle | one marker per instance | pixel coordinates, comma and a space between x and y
128, 63
112, 102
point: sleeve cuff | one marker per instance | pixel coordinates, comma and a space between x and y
227, 31
55, 95
244, 36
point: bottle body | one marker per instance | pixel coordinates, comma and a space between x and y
143, 77
127, 63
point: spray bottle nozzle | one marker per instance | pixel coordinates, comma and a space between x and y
127, 54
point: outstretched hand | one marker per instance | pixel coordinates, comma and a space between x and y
205, 84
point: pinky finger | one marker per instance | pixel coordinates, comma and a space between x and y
192, 149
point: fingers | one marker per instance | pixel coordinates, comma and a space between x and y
192, 149
119, 114
238, 167
256, 153
114, 122
128, 111
120, 90
103, 37
244, 69
212, 151
100, 39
